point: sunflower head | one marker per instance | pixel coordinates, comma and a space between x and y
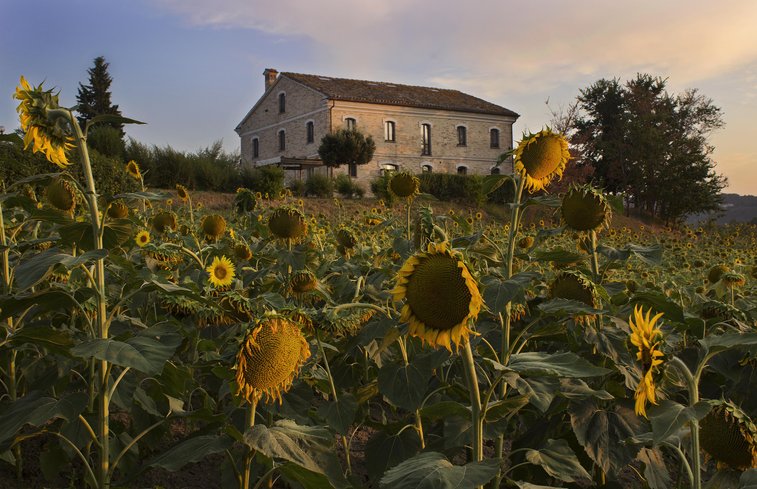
132, 168
61, 195
573, 285
164, 221
526, 242
118, 210
716, 272
346, 238
142, 238
441, 296
269, 359
733, 279
242, 251
585, 209
302, 282
182, 192
244, 201
404, 185
287, 223
213, 225
44, 132
541, 157
221, 272
729, 437
646, 337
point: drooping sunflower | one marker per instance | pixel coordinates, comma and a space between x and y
728, 436
132, 168
45, 134
269, 359
142, 239
441, 296
541, 157
221, 272
585, 209
346, 238
404, 185
213, 225
61, 194
288, 223
646, 337
242, 251
302, 282
118, 210
164, 221
182, 192
573, 285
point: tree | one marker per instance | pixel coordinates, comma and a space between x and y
346, 147
650, 145
95, 99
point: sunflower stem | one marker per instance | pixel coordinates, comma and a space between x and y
475, 401
249, 423
345, 443
692, 385
418, 419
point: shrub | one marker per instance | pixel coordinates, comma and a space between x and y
444, 186
380, 188
319, 185
265, 179
347, 187
297, 187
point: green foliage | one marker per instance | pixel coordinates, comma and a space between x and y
650, 145
380, 188
346, 147
319, 185
297, 187
445, 186
106, 140
265, 179
94, 99
347, 187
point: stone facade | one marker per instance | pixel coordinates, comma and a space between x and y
328, 112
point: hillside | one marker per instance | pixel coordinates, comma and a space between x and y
736, 208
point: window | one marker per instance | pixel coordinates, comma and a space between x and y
462, 136
426, 169
389, 168
282, 140
255, 147
389, 135
353, 169
350, 123
462, 170
310, 132
494, 138
495, 171
282, 103
426, 139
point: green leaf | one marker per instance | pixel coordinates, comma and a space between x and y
41, 302
302, 477
405, 385
546, 200
748, 479
36, 410
718, 343
559, 461
50, 215
144, 196
558, 256
11, 138
493, 182
660, 303
567, 307
655, 472
669, 417
497, 293
445, 409
340, 414
141, 353
37, 268
191, 450
578, 389
112, 119
528, 485
44, 336
432, 470
306, 446
505, 407
540, 391
384, 450
115, 233
566, 364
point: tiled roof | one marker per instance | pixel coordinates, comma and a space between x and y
396, 94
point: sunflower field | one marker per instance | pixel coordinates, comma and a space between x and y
397, 349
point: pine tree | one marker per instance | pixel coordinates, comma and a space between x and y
95, 99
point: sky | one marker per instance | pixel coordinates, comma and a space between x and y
191, 69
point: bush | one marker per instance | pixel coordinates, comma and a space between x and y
265, 179
319, 185
380, 188
445, 186
297, 188
348, 188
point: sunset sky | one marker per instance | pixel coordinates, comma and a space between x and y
192, 69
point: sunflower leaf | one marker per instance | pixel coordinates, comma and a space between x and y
669, 417
432, 470
559, 460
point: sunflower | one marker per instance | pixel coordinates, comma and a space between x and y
118, 210
302, 283
541, 157
213, 225
442, 298
45, 134
61, 194
182, 192
132, 168
646, 337
404, 185
221, 272
573, 285
164, 221
728, 436
142, 239
288, 223
585, 209
242, 251
269, 359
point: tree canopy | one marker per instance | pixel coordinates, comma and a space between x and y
650, 145
345, 146
94, 99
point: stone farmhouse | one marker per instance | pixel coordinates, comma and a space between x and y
416, 129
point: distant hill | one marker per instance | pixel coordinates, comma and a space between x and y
736, 208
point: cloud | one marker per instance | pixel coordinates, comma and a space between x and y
493, 47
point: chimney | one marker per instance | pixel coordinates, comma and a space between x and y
270, 77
